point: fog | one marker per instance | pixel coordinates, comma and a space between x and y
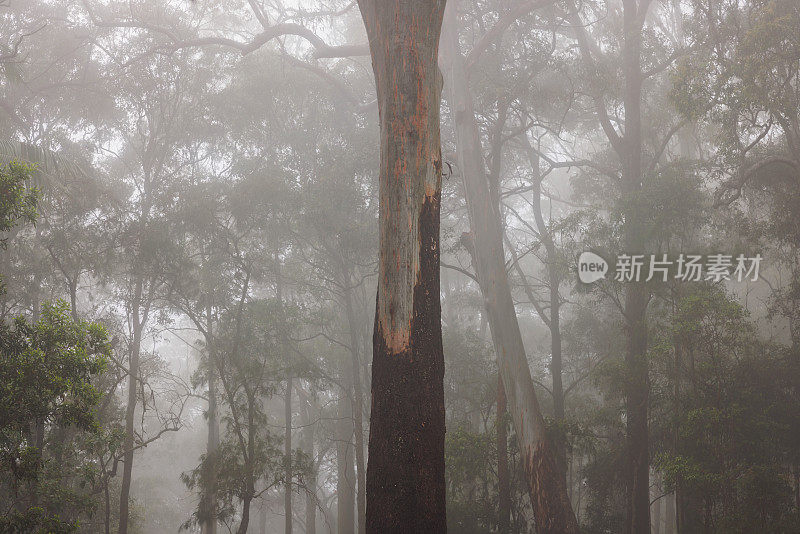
338, 267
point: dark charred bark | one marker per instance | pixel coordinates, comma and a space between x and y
405, 474
552, 510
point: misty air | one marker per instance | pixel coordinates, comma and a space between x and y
399, 266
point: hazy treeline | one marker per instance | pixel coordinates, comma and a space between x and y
192, 244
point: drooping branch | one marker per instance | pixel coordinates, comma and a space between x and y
496, 31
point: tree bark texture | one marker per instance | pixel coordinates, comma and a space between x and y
405, 472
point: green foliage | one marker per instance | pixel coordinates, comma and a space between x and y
252, 358
471, 483
737, 422
18, 201
47, 367
35, 520
230, 471
47, 371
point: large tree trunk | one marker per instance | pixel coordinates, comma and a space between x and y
503, 480
552, 510
405, 474
345, 475
130, 410
637, 385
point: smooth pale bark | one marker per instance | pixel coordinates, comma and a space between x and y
405, 474
130, 409
669, 522
503, 481
637, 383
656, 511
262, 517
548, 492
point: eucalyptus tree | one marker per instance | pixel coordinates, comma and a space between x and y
618, 95
334, 240
206, 288
543, 469
249, 367
145, 143
405, 471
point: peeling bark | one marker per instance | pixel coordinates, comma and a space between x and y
405, 472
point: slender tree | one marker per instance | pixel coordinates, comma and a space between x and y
547, 486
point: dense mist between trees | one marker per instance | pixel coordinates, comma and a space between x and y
375, 267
